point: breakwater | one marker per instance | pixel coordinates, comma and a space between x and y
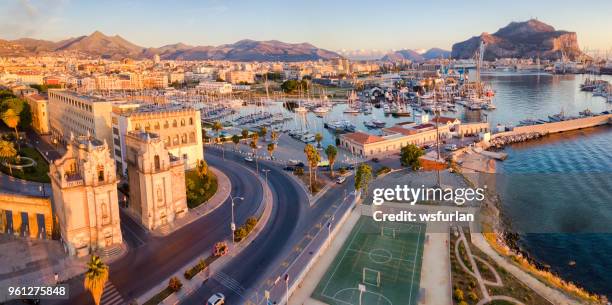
525, 133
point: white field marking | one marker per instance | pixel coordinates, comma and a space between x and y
345, 302
342, 259
416, 251
393, 258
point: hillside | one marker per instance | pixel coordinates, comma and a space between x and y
99, 45
527, 39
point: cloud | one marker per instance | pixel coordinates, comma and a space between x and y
24, 18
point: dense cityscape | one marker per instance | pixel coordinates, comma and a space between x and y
270, 172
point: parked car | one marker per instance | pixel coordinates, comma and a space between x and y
248, 159
450, 147
375, 160
340, 180
289, 168
216, 299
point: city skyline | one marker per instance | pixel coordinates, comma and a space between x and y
391, 26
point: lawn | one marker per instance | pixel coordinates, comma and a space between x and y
197, 192
37, 173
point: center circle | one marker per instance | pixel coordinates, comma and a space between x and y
380, 256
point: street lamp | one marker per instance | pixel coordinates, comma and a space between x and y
233, 224
266, 171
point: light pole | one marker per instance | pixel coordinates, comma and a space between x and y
266, 171
286, 289
233, 224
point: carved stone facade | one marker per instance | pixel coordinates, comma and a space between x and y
156, 180
84, 184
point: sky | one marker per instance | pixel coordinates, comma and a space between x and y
369, 26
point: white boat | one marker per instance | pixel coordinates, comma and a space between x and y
321, 110
308, 137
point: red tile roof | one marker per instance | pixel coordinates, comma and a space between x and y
363, 138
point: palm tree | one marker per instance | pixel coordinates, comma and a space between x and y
313, 156
217, 126
96, 277
7, 152
274, 136
331, 152
245, 133
318, 138
271, 147
236, 140
263, 131
11, 119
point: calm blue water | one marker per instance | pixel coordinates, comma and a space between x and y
558, 190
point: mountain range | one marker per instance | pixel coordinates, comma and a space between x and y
99, 45
527, 39
416, 56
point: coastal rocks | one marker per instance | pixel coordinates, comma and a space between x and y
502, 141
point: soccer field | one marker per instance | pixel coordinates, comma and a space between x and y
384, 257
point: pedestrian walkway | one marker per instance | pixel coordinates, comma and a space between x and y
111, 295
302, 294
436, 283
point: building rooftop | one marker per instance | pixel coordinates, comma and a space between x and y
363, 138
146, 108
89, 98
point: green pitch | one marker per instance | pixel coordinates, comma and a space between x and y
384, 257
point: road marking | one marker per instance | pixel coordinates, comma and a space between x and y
111, 295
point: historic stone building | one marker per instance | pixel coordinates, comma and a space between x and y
24, 215
84, 184
156, 179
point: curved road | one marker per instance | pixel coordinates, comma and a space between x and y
151, 260
293, 218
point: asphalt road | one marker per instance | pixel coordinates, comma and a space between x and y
293, 219
153, 259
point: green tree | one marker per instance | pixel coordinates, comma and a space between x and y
331, 152
174, 284
236, 141
202, 168
318, 138
7, 152
11, 119
271, 147
409, 156
96, 277
263, 131
216, 127
363, 177
313, 157
245, 133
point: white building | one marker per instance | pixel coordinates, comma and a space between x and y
214, 87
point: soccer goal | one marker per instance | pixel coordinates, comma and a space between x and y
371, 277
387, 232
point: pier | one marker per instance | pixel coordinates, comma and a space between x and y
525, 133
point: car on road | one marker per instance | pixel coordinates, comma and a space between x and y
340, 180
450, 147
248, 159
375, 160
216, 299
289, 168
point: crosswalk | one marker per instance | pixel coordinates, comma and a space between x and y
229, 282
111, 295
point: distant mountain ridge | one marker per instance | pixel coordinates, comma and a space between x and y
527, 39
413, 55
116, 47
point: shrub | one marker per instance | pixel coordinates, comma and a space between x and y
191, 272
240, 233
175, 284
458, 294
383, 170
463, 303
299, 171
473, 296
